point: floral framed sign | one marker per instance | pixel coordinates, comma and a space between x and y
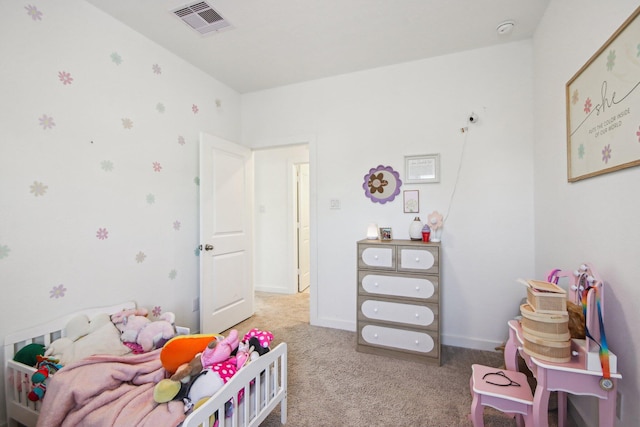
603, 107
411, 201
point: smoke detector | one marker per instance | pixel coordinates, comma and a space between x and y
505, 28
202, 17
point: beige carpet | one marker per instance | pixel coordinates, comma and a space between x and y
330, 384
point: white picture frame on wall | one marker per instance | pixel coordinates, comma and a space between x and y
422, 169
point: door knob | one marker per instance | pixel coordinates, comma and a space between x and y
207, 247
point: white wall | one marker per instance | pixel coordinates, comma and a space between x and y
364, 119
48, 240
274, 234
593, 220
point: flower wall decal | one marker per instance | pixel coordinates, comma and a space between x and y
65, 77
34, 13
38, 188
381, 184
4, 251
46, 122
57, 291
102, 233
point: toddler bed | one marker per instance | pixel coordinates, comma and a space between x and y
263, 383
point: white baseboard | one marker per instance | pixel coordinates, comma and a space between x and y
467, 342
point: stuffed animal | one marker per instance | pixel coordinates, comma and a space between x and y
148, 334
220, 350
216, 354
46, 367
181, 350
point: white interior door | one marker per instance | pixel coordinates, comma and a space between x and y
303, 227
226, 209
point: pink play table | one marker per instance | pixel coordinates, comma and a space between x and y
570, 377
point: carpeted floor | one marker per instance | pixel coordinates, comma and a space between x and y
330, 384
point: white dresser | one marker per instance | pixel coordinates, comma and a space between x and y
399, 299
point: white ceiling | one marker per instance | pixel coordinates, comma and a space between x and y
279, 42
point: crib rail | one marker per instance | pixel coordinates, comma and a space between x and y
264, 382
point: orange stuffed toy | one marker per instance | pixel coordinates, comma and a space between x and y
181, 349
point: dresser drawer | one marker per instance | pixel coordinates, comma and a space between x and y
414, 315
424, 343
416, 258
406, 286
377, 257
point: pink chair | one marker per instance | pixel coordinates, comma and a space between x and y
506, 391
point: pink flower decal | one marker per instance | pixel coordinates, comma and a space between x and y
157, 311
638, 134
606, 153
57, 292
46, 122
65, 77
157, 167
127, 123
176, 225
102, 233
156, 69
587, 106
181, 140
194, 108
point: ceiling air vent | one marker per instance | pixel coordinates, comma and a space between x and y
201, 17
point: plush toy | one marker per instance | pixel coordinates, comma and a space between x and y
181, 350
220, 350
119, 317
215, 357
78, 327
148, 334
27, 355
45, 368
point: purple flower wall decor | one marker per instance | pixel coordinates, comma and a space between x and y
194, 108
34, 13
157, 311
381, 184
156, 69
157, 167
57, 291
46, 122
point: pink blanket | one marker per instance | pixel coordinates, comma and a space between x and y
105, 390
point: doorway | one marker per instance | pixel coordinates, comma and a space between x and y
278, 205
302, 225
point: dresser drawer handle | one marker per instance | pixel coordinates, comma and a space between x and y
376, 284
417, 259
417, 342
375, 257
418, 288
417, 315
375, 310
375, 336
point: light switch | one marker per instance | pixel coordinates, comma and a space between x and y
334, 204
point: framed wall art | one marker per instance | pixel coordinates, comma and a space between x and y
422, 169
603, 107
411, 201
